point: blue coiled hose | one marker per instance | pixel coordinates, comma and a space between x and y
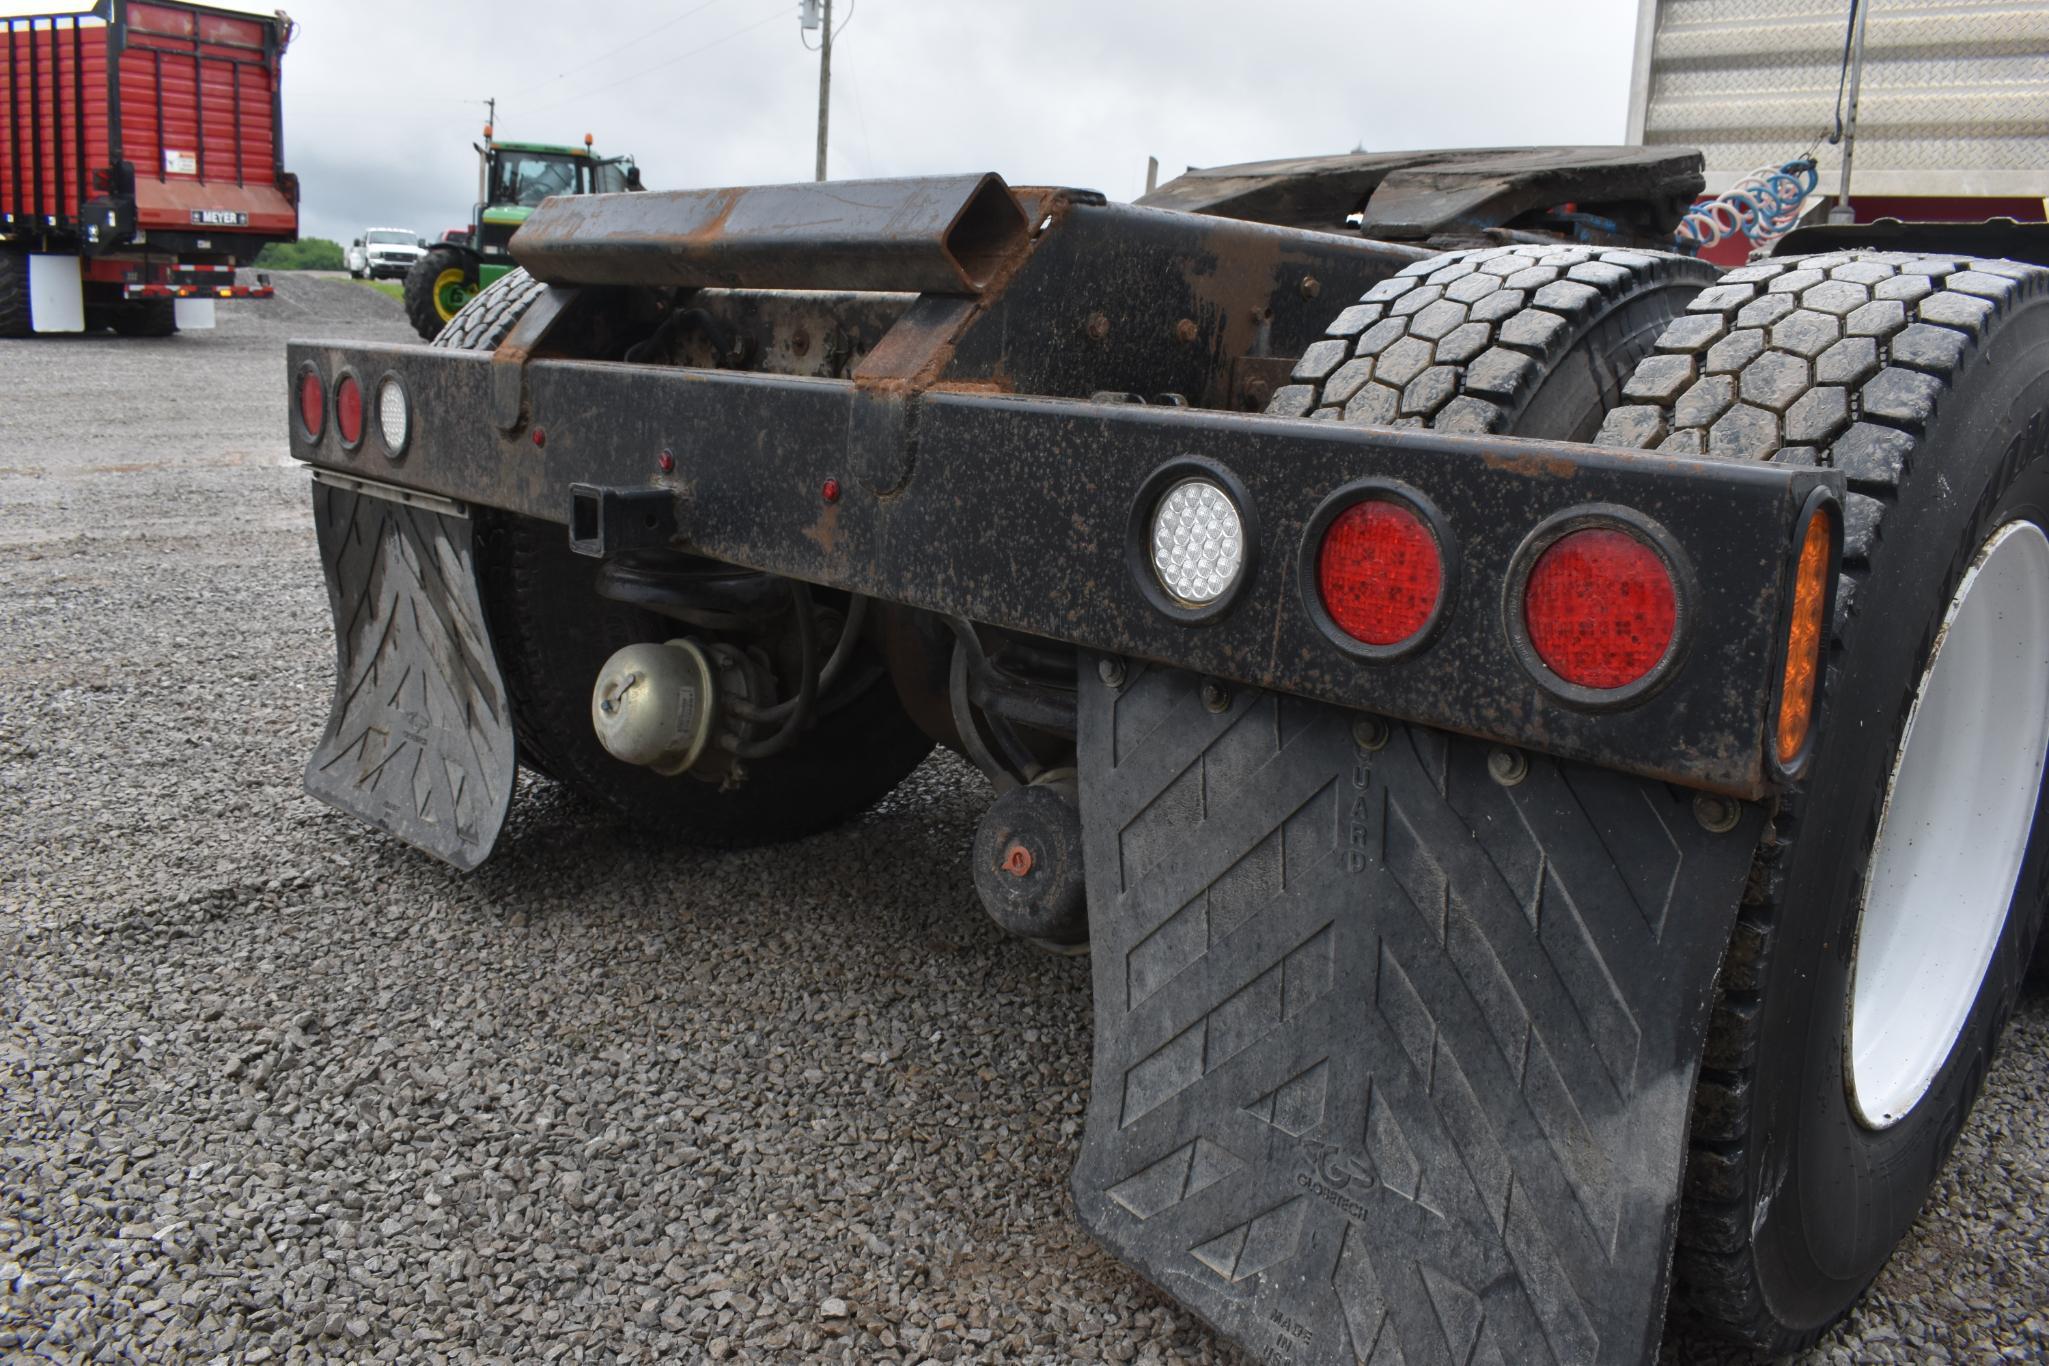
1764, 206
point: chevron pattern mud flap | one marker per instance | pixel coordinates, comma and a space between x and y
1393, 1061
419, 740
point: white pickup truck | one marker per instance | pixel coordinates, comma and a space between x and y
382, 252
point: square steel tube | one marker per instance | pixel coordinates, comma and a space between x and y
1018, 512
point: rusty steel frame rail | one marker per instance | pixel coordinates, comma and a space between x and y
1018, 512
994, 456
942, 235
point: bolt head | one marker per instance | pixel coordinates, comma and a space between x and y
1186, 331
1369, 733
1111, 671
1717, 815
1507, 766
1216, 697
1311, 286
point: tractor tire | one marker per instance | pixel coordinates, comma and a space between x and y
146, 318
1531, 340
1895, 901
484, 320
14, 318
553, 634
438, 285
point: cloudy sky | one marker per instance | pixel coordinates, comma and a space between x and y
383, 98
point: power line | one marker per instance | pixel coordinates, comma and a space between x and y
662, 65
623, 47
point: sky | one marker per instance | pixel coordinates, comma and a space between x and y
383, 99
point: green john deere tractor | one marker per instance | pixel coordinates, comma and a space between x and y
513, 178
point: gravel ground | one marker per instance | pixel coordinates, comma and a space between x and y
274, 1088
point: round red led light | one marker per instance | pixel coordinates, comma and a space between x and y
348, 410
312, 402
1601, 608
1380, 572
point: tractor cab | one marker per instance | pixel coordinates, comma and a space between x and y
513, 178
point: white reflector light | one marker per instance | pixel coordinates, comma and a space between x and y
1198, 542
393, 416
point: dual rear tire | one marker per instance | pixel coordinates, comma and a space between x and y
136, 318
1894, 908
1894, 904
14, 316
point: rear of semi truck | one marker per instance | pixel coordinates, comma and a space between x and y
1553, 803
141, 164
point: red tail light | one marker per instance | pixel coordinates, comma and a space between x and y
1380, 572
1601, 608
348, 410
312, 403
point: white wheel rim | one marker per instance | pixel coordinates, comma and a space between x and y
1959, 808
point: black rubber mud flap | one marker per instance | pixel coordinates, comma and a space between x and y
419, 741
1393, 1061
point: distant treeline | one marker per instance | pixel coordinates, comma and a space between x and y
308, 253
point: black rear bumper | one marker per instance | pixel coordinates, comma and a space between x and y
1018, 512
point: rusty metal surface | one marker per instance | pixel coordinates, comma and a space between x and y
1431, 194
784, 332
1116, 297
944, 235
1102, 296
1015, 512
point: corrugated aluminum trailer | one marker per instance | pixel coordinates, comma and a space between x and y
1953, 101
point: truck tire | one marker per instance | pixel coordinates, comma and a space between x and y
14, 319
483, 322
437, 287
1894, 904
1531, 340
146, 318
554, 633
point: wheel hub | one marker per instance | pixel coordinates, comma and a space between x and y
1959, 810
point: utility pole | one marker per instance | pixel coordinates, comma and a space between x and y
824, 86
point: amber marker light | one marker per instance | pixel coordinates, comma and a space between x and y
1803, 639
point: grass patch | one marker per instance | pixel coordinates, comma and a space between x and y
390, 289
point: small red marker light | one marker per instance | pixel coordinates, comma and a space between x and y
667, 462
312, 403
1601, 608
348, 410
540, 437
1380, 572
830, 491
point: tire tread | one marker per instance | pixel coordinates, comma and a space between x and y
14, 317
1894, 332
1463, 341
